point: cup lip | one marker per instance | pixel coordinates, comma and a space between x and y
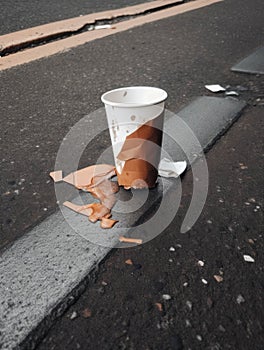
162, 98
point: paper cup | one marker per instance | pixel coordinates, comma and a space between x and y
135, 120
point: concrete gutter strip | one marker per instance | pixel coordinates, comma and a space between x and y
42, 272
253, 64
75, 24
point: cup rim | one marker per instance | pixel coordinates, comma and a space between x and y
162, 98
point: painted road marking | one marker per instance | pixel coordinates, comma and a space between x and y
36, 53
74, 24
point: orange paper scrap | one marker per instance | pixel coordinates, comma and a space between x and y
94, 179
130, 240
56, 175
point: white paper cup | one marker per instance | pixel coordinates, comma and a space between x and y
127, 110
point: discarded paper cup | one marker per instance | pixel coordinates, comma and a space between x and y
135, 120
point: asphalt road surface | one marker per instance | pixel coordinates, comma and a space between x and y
42, 100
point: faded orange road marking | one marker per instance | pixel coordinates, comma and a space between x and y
80, 39
74, 24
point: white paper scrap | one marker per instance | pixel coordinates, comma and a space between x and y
248, 258
167, 168
231, 93
215, 88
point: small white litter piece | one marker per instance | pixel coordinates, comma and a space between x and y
200, 263
73, 315
166, 297
215, 88
231, 93
198, 337
172, 249
240, 299
189, 305
103, 26
248, 258
168, 168
204, 281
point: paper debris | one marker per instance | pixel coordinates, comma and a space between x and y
159, 306
130, 240
96, 180
82, 178
218, 278
56, 175
200, 263
107, 223
168, 168
172, 249
73, 315
129, 262
231, 93
250, 240
204, 281
198, 337
248, 258
166, 297
240, 299
87, 313
215, 88
189, 305
78, 208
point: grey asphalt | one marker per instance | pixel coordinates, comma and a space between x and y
17, 15
42, 100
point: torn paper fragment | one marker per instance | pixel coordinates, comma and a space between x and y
129, 262
83, 177
56, 175
130, 240
231, 93
107, 223
167, 168
248, 258
215, 88
218, 278
78, 208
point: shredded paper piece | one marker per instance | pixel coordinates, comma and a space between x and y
167, 168
215, 88
248, 258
